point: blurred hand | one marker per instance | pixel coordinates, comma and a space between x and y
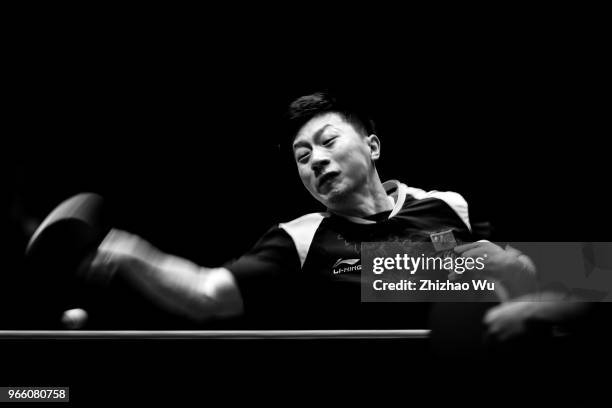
536, 310
496, 260
509, 320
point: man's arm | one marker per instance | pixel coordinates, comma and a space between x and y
513, 319
174, 283
513, 269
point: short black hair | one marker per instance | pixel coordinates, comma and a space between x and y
309, 106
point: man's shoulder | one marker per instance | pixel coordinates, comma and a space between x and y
302, 231
305, 220
416, 198
304, 227
452, 198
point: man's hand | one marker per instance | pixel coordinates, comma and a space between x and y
517, 318
509, 266
496, 260
509, 320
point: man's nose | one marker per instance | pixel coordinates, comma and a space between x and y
318, 162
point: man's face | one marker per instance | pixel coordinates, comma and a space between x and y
333, 159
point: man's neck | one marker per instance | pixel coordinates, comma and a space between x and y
369, 200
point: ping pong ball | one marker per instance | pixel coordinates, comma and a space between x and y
74, 318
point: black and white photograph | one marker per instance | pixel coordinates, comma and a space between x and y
190, 215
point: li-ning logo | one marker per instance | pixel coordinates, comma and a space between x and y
350, 268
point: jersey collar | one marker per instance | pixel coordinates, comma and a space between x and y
396, 192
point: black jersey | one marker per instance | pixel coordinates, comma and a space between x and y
306, 273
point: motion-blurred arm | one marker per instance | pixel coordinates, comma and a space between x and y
174, 283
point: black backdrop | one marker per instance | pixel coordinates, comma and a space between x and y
181, 137
175, 125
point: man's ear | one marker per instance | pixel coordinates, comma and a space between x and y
374, 143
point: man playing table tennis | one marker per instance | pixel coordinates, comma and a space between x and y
310, 265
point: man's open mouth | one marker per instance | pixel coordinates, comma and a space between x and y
328, 177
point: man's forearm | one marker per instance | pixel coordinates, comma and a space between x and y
174, 283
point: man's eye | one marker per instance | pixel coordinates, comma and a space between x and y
329, 141
303, 157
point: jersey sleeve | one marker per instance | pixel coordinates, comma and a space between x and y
265, 273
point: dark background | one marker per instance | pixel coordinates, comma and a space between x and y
180, 134
176, 126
